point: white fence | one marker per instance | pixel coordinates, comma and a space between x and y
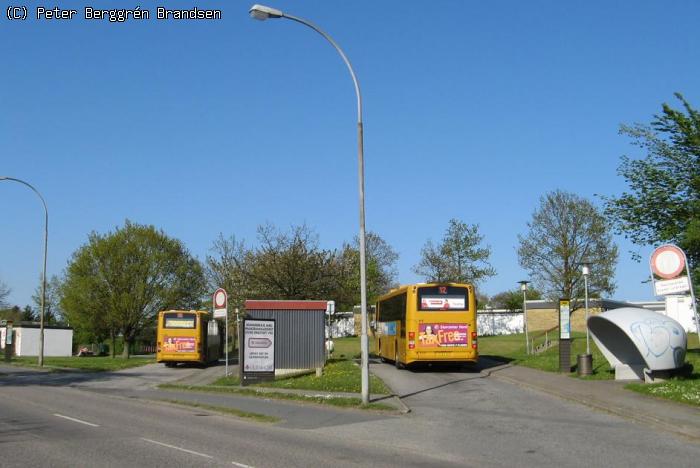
499, 322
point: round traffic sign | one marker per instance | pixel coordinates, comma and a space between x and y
668, 261
220, 298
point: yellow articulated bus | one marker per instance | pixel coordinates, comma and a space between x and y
191, 336
429, 322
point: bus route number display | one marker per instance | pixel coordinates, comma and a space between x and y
259, 346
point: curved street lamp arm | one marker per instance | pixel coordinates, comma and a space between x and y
43, 279
342, 55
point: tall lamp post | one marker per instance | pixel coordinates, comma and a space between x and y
261, 12
523, 288
43, 275
586, 270
585, 361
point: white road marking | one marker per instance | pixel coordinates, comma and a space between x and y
76, 420
241, 465
177, 448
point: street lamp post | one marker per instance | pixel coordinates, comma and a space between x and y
523, 288
584, 364
43, 275
586, 270
261, 12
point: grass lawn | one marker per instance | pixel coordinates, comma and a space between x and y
684, 389
91, 364
512, 348
346, 348
339, 375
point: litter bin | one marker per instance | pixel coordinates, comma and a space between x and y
584, 364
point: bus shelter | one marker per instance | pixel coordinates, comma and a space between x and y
299, 332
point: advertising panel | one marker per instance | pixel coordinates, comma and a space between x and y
442, 303
564, 320
179, 344
439, 335
259, 346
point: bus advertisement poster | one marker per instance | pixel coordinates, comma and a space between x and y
258, 350
178, 344
437, 335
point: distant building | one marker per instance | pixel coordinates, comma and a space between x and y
58, 341
544, 314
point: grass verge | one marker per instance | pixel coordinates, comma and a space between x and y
338, 376
88, 364
332, 401
682, 389
223, 409
512, 349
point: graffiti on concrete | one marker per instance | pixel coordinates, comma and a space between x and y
659, 337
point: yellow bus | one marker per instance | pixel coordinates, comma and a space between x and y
191, 336
427, 322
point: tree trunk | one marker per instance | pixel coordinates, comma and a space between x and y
127, 345
114, 344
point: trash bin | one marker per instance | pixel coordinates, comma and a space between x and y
584, 364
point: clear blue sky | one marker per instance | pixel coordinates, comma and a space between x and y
473, 110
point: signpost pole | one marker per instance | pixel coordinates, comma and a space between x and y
220, 305
667, 264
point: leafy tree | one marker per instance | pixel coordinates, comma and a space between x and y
284, 265
117, 282
290, 265
565, 231
663, 201
381, 271
52, 309
28, 314
458, 258
513, 300
4, 292
14, 313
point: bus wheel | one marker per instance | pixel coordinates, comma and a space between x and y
397, 363
170, 364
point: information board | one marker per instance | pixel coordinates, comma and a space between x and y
564, 320
258, 346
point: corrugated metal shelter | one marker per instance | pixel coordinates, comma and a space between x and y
299, 331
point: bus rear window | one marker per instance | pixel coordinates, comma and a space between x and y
179, 320
443, 298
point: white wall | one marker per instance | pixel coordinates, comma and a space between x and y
57, 342
499, 323
680, 308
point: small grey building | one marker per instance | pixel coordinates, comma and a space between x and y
299, 331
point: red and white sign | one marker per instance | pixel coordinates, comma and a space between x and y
667, 261
220, 300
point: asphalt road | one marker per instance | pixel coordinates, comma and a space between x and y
458, 418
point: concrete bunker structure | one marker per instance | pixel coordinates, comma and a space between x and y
639, 343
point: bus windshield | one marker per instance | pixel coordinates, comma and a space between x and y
442, 298
179, 320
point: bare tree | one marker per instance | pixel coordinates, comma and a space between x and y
4, 292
